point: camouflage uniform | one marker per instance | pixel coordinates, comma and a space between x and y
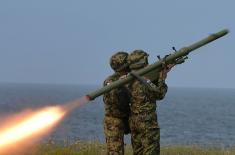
145, 131
117, 110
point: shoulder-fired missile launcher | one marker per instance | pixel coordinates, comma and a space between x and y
152, 71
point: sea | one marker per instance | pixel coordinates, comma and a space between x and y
187, 116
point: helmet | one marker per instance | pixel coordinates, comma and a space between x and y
138, 59
118, 61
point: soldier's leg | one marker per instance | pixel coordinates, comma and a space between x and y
136, 136
115, 146
151, 136
114, 135
136, 144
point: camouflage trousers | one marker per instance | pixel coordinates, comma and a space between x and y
145, 134
114, 129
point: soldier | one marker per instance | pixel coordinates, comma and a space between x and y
116, 103
145, 131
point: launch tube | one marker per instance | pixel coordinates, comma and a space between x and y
157, 66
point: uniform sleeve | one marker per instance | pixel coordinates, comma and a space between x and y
108, 97
161, 89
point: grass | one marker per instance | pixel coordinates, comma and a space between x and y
76, 148
195, 150
97, 148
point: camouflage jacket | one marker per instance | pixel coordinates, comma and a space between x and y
143, 99
116, 102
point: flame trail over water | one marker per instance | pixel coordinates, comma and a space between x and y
35, 124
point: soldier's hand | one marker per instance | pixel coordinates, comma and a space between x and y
123, 77
163, 73
169, 66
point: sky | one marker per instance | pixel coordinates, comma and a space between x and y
71, 41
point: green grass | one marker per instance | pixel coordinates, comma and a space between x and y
195, 150
76, 148
97, 148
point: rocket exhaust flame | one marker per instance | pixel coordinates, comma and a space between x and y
69, 106
28, 126
32, 126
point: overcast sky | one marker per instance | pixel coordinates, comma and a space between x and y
71, 41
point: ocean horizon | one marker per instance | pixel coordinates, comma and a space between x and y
201, 116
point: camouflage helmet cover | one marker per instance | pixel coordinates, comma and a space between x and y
118, 61
138, 59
